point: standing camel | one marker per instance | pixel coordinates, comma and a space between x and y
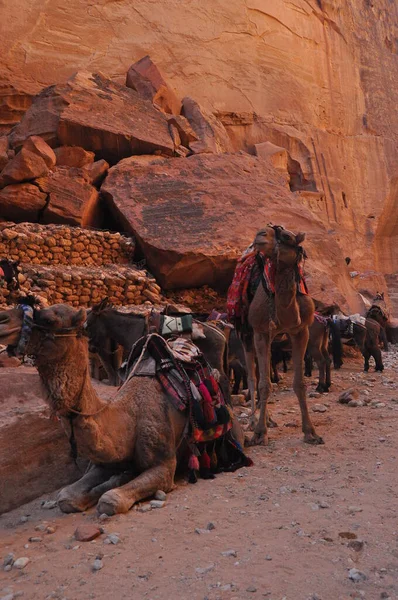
269, 314
131, 441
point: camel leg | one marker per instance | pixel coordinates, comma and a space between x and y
120, 500
299, 344
366, 355
328, 363
320, 361
251, 378
378, 359
262, 344
86, 491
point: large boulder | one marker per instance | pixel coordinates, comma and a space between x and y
16, 96
72, 200
193, 217
22, 202
144, 77
26, 166
73, 156
97, 114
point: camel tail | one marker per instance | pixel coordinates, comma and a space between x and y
337, 348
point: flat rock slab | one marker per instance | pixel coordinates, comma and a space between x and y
87, 533
193, 217
96, 114
34, 450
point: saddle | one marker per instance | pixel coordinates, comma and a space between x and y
189, 383
168, 325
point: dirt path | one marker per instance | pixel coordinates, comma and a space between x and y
279, 523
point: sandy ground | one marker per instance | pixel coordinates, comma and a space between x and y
291, 527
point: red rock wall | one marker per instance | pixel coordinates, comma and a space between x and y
321, 77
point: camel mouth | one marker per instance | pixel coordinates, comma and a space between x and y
5, 332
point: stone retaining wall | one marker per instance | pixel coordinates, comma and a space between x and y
86, 286
63, 245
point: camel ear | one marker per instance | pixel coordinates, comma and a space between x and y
79, 318
300, 237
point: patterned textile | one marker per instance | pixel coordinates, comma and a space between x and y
321, 319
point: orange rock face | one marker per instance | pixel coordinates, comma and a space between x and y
22, 202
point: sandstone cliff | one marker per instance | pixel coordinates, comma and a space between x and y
318, 78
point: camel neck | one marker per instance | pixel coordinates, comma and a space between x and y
67, 379
287, 310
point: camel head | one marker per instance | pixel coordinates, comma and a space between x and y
10, 325
265, 241
288, 248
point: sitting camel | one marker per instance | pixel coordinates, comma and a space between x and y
130, 441
286, 311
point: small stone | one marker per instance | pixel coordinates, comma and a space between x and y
356, 545
355, 403
324, 504
35, 539
204, 570
201, 531
157, 503
251, 589
350, 394
382, 439
229, 553
321, 408
144, 508
160, 495
41, 527
87, 533
9, 559
50, 529
112, 538
210, 526
103, 517
8, 568
97, 564
348, 535
268, 557
354, 509
49, 504
314, 395
21, 563
24, 519
356, 575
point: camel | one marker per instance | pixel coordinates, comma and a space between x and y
130, 441
285, 312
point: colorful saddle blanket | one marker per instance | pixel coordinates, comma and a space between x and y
252, 269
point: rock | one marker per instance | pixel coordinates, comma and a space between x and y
38, 146
144, 508
159, 201
347, 395
157, 503
86, 533
103, 517
22, 202
321, 408
204, 570
9, 559
97, 564
324, 504
356, 545
16, 95
354, 509
3, 152
35, 539
97, 114
71, 199
21, 563
278, 156
49, 504
201, 531
24, 167
145, 78
251, 589
229, 553
210, 526
73, 156
160, 495
211, 133
356, 575
355, 403
184, 129
314, 395
112, 538
96, 172
50, 529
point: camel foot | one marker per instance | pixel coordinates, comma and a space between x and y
313, 438
252, 422
258, 439
322, 389
68, 506
112, 503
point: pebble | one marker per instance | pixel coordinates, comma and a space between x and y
268, 557
350, 394
160, 495
41, 527
321, 408
354, 509
49, 504
21, 563
9, 559
8, 568
314, 395
157, 503
35, 539
97, 564
356, 575
251, 588
201, 531
87, 533
50, 529
229, 553
324, 504
204, 570
356, 545
210, 526
144, 508
112, 538
354, 403
23, 519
